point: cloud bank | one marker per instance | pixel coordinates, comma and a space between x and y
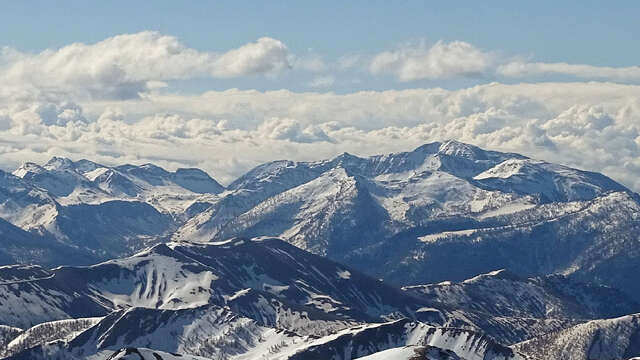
594, 126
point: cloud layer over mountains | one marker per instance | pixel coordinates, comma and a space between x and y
109, 102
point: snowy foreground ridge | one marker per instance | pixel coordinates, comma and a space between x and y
444, 252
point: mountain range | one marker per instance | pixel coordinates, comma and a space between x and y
448, 251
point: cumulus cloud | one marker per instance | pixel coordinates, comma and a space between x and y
442, 60
594, 126
123, 66
264, 56
457, 59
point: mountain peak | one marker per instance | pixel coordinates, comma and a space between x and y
27, 168
191, 171
58, 163
345, 156
84, 165
153, 168
196, 180
429, 148
460, 149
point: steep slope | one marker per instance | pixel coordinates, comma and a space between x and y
208, 330
512, 309
249, 298
599, 339
8, 333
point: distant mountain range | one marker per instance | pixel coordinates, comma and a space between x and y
307, 259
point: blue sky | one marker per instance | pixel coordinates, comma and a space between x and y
572, 31
225, 86
582, 32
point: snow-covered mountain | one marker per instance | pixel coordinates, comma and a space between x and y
216, 333
241, 298
238, 273
84, 181
303, 259
406, 212
609, 339
512, 309
83, 212
414, 213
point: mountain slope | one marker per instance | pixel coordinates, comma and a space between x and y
609, 339
512, 309
374, 338
275, 267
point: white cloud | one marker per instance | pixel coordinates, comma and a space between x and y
442, 60
523, 69
456, 59
264, 56
97, 101
125, 65
291, 130
594, 126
